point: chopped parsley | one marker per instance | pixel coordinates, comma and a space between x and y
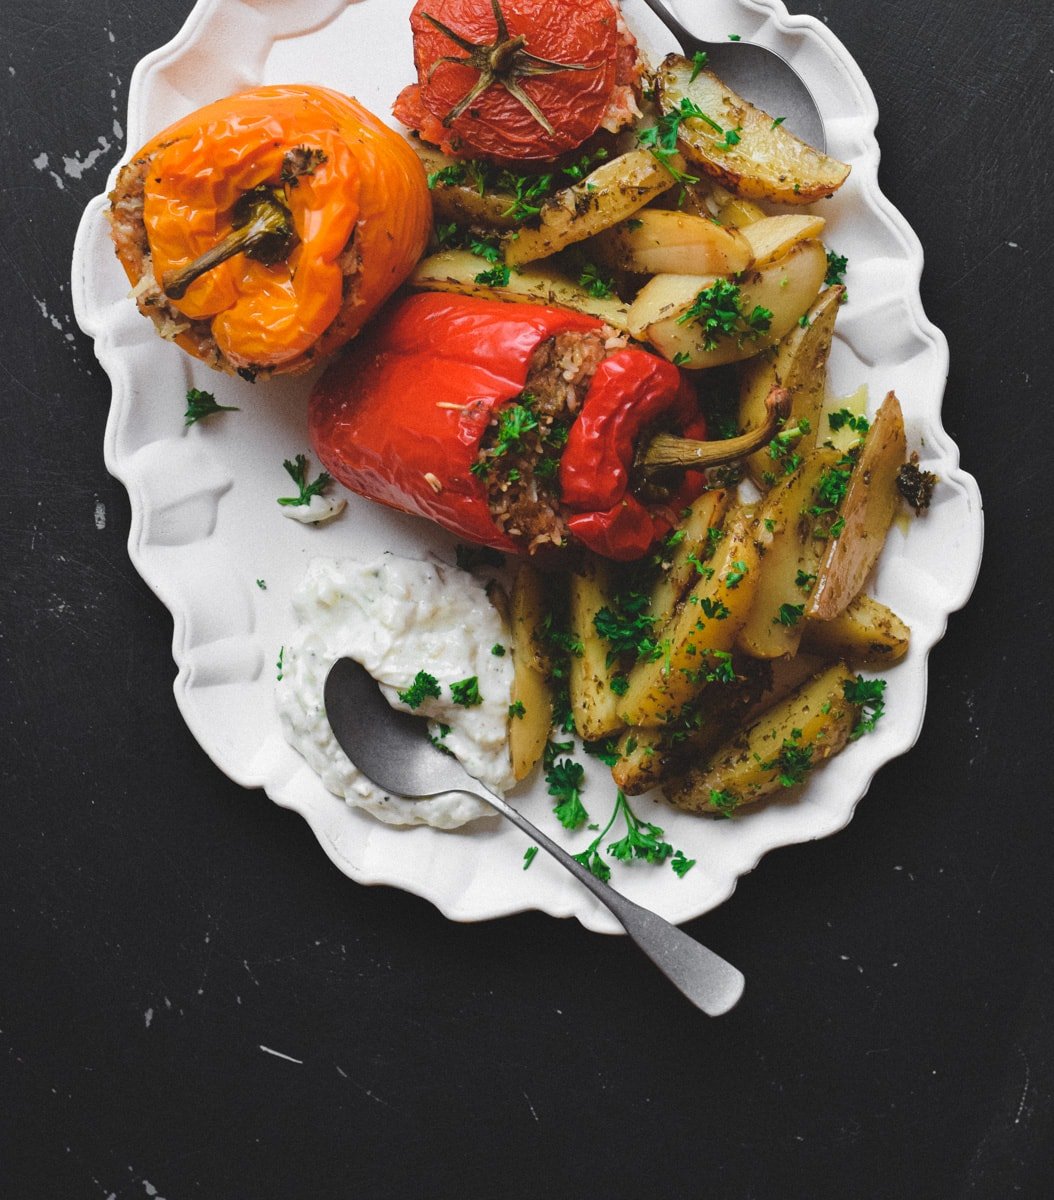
565, 778
777, 122
423, 687
203, 404
487, 248
836, 268
803, 581
619, 684
262, 584
517, 710
844, 417
626, 626
681, 865
699, 60
661, 138
789, 615
868, 695
594, 283
718, 309
466, 692
498, 650
681, 357
724, 802
529, 855
280, 664
793, 762
497, 277
297, 471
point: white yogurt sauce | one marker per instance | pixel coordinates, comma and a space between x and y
316, 510
397, 617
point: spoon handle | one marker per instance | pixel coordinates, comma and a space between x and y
705, 978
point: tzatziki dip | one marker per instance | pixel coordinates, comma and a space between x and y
399, 617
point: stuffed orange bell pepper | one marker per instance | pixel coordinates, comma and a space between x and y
262, 231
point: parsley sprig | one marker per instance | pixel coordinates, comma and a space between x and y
297, 471
869, 696
203, 404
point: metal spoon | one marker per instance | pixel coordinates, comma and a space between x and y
758, 74
390, 748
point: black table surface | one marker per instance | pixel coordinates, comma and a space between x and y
163, 929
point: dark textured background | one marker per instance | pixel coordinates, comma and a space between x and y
159, 924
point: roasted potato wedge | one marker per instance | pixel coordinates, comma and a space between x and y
461, 199
611, 193
867, 511
648, 756
777, 751
696, 643
594, 705
866, 633
800, 366
457, 271
786, 288
790, 560
771, 238
659, 240
706, 512
528, 732
767, 162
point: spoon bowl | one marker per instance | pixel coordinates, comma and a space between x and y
761, 75
392, 750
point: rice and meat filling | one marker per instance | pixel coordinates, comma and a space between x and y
519, 459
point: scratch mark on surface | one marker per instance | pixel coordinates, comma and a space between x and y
530, 1106
1025, 1089
278, 1054
148, 1016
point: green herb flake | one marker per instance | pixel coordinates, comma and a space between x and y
203, 404
466, 692
594, 283
517, 710
423, 687
681, 865
836, 268
529, 856
699, 60
789, 615
565, 778
869, 696
262, 584
496, 277
498, 650
724, 802
777, 122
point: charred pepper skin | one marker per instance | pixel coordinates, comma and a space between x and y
351, 185
400, 417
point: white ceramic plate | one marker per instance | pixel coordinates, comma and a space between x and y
206, 528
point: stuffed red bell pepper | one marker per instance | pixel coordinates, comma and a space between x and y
516, 426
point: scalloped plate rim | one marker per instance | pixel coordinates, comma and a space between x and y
590, 915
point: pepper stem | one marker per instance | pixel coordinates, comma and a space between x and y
263, 229
666, 451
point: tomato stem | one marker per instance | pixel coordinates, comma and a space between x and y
504, 61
